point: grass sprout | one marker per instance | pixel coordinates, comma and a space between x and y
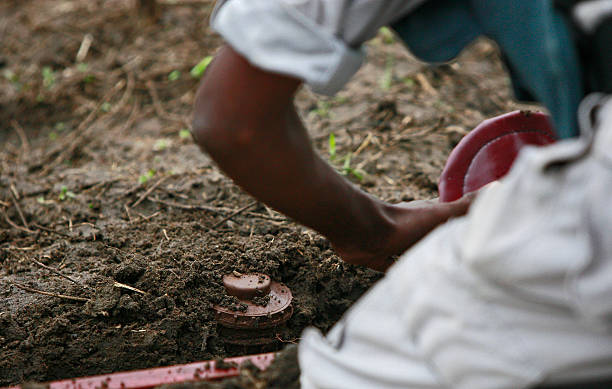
347, 170
184, 134
332, 146
387, 78
198, 70
160, 144
48, 76
174, 75
387, 35
144, 178
66, 194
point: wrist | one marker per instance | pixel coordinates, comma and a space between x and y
367, 243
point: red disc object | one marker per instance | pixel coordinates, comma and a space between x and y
487, 152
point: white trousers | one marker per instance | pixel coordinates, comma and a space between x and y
516, 293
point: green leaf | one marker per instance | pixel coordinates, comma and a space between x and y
48, 77
160, 144
347, 162
387, 35
408, 81
198, 70
387, 77
184, 134
10, 75
105, 107
146, 177
322, 109
174, 75
355, 173
332, 146
65, 193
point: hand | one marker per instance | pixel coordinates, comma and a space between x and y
412, 221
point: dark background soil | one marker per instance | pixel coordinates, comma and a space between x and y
99, 182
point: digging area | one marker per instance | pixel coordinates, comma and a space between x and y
116, 231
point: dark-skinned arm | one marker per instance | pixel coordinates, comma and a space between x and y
245, 119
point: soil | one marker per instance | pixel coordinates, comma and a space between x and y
106, 201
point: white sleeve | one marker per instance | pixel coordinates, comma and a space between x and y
317, 41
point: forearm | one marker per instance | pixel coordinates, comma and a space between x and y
279, 167
246, 121
258, 139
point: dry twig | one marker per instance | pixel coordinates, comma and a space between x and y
159, 109
61, 296
51, 230
12, 224
127, 287
237, 212
25, 144
82, 131
191, 207
149, 191
55, 271
424, 82
16, 204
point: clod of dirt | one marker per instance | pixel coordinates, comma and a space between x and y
128, 272
222, 365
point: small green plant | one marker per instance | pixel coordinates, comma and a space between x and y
53, 136
322, 109
66, 194
348, 170
332, 146
10, 75
48, 76
60, 126
174, 75
43, 201
340, 99
13, 78
144, 178
160, 144
387, 77
198, 70
184, 134
105, 107
387, 36
83, 68
408, 81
